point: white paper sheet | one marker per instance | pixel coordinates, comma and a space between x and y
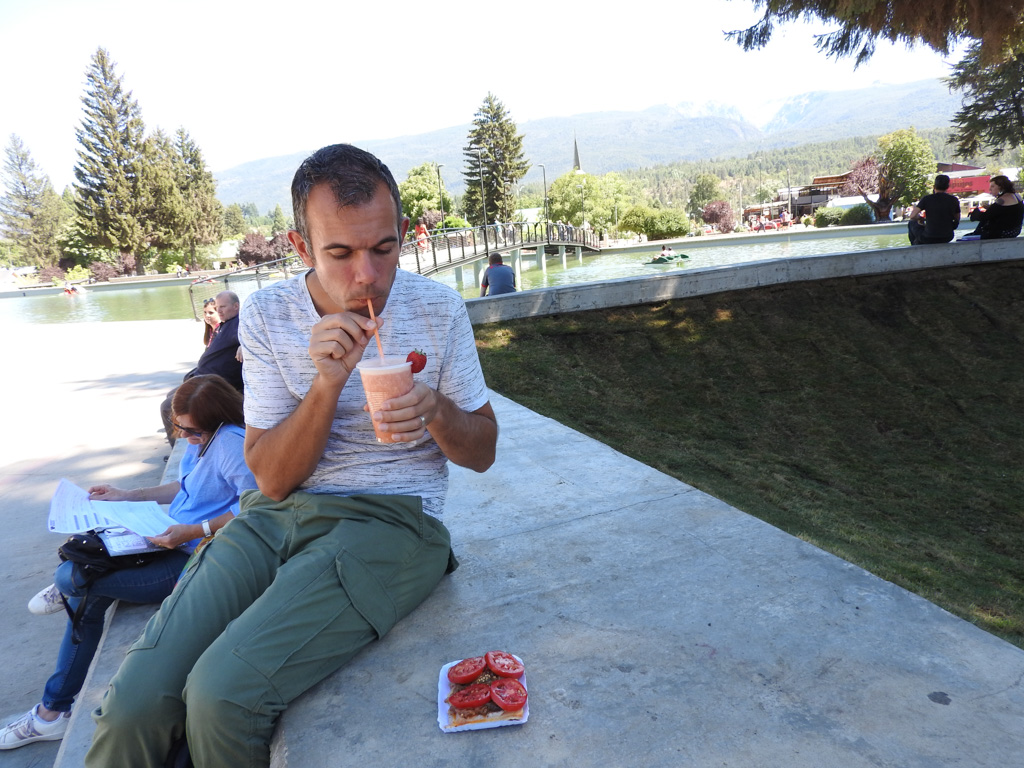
71, 511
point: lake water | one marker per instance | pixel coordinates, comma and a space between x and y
151, 302
171, 302
703, 252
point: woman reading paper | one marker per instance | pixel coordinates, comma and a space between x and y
207, 411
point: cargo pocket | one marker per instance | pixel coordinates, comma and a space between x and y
367, 593
394, 571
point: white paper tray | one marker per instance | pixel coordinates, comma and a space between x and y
444, 688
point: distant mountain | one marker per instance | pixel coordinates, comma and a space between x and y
823, 115
613, 141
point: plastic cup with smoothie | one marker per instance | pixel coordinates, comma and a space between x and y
383, 379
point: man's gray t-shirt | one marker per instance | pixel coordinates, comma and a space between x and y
276, 323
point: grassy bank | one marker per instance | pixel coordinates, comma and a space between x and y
880, 418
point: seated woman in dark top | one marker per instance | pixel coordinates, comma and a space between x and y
1004, 216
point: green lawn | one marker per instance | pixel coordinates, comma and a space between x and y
881, 419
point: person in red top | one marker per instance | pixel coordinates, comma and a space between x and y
422, 234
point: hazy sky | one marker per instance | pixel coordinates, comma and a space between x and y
259, 79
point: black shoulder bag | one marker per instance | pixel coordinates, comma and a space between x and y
91, 560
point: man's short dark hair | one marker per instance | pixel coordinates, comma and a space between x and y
942, 182
353, 174
494, 258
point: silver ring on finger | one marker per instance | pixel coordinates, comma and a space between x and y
423, 422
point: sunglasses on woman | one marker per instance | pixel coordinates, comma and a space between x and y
187, 431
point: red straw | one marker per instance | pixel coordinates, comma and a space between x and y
369, 304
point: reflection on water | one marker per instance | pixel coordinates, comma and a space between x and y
171, 302
165, 302
606, 266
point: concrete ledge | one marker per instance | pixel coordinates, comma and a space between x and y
123, 625
660, 627
679, 284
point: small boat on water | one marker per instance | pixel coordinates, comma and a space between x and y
667, 259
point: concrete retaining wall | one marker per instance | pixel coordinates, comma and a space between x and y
628, 291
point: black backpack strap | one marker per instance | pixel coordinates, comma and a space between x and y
76, 615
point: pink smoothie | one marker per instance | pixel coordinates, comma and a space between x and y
383, 380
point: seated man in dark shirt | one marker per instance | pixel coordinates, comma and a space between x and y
942, 213
220, 357
497, 277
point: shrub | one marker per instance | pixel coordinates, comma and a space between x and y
102, 272
668, 222
824, 217
254, 249
455, 222
637, 218
50, 275
719, 213
859, 214
807, 221
77, 273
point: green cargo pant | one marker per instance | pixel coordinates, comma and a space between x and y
285, 595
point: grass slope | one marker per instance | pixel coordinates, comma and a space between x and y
878, 418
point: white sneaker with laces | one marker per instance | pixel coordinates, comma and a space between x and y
47, 601
30, 727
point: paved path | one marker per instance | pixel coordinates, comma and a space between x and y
661, 627
79, 401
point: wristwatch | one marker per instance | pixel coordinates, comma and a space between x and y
206, 528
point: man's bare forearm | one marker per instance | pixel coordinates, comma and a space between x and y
466, 438
283, 457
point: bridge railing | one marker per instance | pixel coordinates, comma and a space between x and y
442, 250
426, 256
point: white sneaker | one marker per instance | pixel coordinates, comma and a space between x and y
29, 727
47, 601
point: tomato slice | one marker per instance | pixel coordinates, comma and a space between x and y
508, 694
504, 664
467, 670
474, 696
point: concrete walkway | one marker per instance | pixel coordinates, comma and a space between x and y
79, 401
660, 627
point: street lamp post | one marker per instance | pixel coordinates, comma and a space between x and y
789, 194
440, 193
544, 173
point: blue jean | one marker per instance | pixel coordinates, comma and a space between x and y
149, 583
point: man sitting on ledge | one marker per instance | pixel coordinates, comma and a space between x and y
343, 539
941, 215
498, 277
220, 356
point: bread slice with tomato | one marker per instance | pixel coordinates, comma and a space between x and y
486, 689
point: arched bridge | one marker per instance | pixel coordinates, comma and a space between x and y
452, 249
456, 248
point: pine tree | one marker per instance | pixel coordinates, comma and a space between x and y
234, 221
31, 213
199, 191
998, 27
168, 213
495, 147
992, 115
110, 173
279, 223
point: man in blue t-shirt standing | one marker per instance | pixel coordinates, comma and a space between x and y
498, 277
942, 214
